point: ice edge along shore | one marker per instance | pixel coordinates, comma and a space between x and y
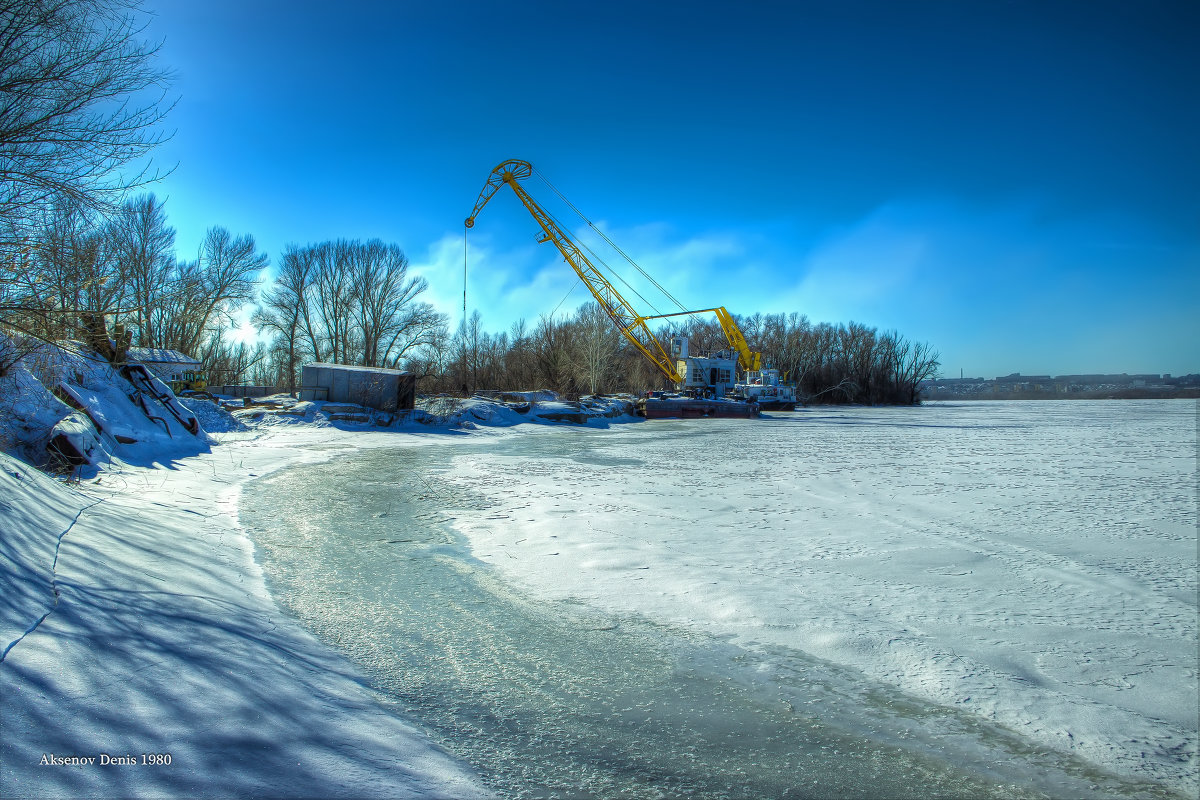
154, 635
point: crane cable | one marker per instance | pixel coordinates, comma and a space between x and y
465, 229
464, 306
598, 260
583, 246
574, 283
616, 247
605, 237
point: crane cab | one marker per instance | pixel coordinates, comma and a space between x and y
707, 376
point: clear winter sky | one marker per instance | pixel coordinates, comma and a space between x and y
1017, 183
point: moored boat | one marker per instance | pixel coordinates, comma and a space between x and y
766, 389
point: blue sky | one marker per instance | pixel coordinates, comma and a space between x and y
1017, 183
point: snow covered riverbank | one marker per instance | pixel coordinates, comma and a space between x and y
136, 626
140, 652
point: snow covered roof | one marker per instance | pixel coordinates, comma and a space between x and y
159, 355
353, 368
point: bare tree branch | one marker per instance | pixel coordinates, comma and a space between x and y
81, 101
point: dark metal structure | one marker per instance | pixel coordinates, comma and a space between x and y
373, 387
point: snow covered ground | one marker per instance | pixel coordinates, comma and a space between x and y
136, 625
140, 652
1032, 563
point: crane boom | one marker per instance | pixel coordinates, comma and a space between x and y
629, 322
751, 360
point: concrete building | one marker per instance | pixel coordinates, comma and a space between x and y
373, 387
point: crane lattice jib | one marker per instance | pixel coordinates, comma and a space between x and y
628, 321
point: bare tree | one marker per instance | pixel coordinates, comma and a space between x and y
390, 321
91, 275
413, 325
552, 346
333, 298
229, 272
13, 348
599, 344
432, 362
65, 268
918, 364
80, 101
466, 349
143, 245
519, 366
284, 312
180, 304
859, 343
228, 363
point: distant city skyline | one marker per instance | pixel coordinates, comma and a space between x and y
1013, 182
1024, 375
1064, 387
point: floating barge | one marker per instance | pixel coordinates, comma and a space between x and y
690, 408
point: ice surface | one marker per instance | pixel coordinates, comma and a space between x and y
1032, 563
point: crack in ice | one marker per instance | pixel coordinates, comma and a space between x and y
53, 582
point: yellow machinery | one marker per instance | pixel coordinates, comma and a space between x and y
188, 381
630, 323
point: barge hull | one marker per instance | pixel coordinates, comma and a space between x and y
687, 408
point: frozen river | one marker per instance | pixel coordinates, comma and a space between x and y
987, 599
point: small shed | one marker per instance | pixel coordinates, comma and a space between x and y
170, 366
373, 387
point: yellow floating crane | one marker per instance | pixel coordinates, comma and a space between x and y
631, 324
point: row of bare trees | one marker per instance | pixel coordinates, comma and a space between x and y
81, 102
124, 265
586, 354
583, 354
344, 302
837, 363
